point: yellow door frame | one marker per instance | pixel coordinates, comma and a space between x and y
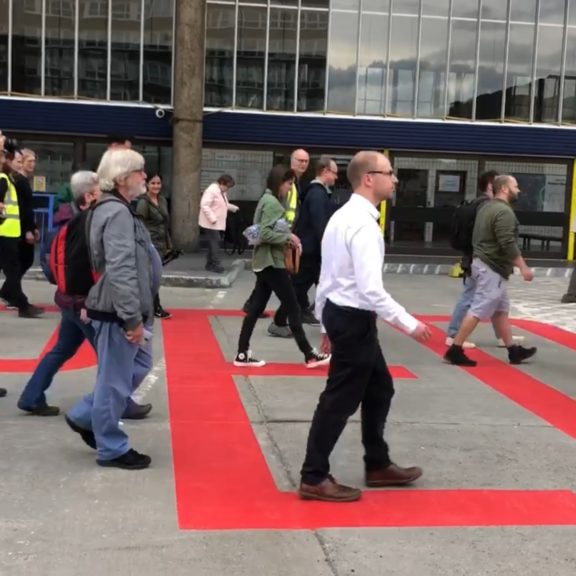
571, 223
383, 205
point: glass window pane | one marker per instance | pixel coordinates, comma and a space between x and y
342, 73
26, 48
491, 71
523, 10
93, 48
250, 57
569, 105
60, 30
312, 61
432, 82
382, 6
496, 9
572, 12
4, 45
552, 11
372, 64
435, 7
126, 37
518, 89
403, 53
548, 70
315, 3
345, 4
282, 59
462, 66
54, 161
406, 7
465, 9
158, 39
284, 2
218, 73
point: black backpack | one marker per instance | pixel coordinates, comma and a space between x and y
463, 224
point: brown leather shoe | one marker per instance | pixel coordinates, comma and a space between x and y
392, 476
329, 491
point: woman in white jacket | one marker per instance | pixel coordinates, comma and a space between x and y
214, 208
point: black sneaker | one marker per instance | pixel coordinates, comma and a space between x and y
41, 410
162, 314
455, 355
86, 435
568, 299
246, 360
132, 460
135, 411
30, 312
3, 392
517, 354
309, 318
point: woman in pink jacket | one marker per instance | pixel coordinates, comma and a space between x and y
214, 208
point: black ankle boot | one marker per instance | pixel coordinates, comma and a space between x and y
517, 354
455, 355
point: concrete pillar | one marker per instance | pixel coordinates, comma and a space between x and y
187, 121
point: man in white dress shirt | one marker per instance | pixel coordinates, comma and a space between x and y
349, 299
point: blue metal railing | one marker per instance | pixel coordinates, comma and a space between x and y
44, 212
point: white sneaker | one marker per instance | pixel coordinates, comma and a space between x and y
246, 360
467, 345
318, 359
514, 339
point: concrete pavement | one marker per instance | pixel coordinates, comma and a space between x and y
491, 456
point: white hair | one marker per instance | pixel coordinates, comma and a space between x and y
27, 152
118, 164
81, 183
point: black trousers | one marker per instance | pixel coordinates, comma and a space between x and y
358, 375
275, 280
26, 253
10, 263
213, 238
308, 276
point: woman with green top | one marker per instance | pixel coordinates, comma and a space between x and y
271, 275
152, 207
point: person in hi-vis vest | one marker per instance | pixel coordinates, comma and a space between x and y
299, 162
10, 232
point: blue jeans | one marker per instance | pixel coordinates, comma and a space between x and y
121, 368
462, 307
71, 335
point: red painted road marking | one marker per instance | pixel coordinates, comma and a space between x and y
223, 482
84, 358
544, 401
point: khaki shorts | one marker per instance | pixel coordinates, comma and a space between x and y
491, 295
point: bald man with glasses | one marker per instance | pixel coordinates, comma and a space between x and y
350, 298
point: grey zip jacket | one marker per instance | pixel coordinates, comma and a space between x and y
121, 254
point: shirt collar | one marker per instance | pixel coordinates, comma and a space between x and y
365, 204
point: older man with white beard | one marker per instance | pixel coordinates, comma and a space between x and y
121, 307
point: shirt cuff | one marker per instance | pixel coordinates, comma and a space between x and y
408, 323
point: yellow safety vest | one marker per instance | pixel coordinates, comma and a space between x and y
11, 227
292, 205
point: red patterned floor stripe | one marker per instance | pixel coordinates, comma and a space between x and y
84, 358
542, 400
223, 482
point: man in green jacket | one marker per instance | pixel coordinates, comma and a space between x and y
496, 252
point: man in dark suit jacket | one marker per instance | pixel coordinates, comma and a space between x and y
316, 208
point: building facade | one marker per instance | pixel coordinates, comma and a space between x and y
450, 88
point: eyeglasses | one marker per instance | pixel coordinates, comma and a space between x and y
383, 172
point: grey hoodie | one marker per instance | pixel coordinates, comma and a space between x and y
120, 248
